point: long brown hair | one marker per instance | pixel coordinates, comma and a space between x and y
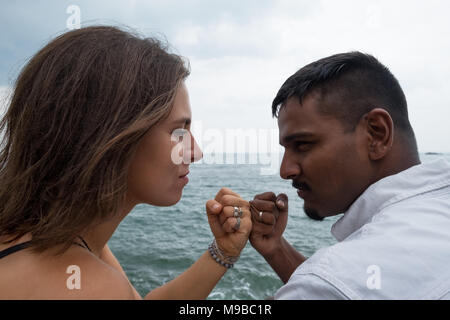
78, 111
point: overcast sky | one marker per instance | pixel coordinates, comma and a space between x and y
242, 51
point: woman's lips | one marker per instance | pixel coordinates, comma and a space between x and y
184, 178
184, 175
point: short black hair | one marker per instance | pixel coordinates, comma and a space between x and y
356, 82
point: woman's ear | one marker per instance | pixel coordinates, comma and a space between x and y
380, 130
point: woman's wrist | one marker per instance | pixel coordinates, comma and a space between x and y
220, 257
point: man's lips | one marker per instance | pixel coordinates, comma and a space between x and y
302, 188
302, 193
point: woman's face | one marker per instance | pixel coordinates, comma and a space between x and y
157, 175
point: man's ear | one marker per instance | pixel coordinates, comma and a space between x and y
380, 131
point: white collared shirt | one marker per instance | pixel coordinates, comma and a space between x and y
394, 243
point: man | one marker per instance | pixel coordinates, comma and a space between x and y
349, 148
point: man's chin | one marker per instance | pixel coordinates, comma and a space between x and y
313, 214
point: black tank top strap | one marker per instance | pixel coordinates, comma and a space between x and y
26, 244
14, 248
84, 242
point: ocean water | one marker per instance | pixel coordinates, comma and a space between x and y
154, 244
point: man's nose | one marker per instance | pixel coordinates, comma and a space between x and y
289, 168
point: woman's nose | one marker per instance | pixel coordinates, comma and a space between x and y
197, 153
191, 150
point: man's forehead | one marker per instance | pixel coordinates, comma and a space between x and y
303, 119
294, 112
293, 126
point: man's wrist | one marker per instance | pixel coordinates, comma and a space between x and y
277, 250
274, 250
284, 260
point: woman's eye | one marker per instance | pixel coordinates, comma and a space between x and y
179, 134
181, 130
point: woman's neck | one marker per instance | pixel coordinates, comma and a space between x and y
98, 236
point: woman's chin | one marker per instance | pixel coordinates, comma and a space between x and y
166, 201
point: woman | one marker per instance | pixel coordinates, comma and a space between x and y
91, 131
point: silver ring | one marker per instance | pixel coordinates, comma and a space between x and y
237, 212
260, 215
238, 224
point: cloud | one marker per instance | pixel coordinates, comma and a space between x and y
241, 52
411, 38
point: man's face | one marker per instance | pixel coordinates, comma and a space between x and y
329, 166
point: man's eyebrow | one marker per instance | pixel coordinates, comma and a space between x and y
186, 121
296, 135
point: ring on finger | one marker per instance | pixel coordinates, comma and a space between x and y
237, 212
238, 224
260, 215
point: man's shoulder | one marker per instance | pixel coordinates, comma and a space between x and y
380, 254
312, 286
321, 276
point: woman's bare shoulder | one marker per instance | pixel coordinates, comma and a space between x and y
76, 274
91, 278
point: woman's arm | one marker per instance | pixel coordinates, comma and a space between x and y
195, 283
108, 257
199, 280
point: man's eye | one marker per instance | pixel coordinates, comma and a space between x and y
303, 145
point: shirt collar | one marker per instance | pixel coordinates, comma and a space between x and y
408, 183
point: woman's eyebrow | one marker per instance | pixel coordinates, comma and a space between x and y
186, 121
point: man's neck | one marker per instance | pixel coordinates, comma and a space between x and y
397, 162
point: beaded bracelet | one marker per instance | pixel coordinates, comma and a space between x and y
218, 255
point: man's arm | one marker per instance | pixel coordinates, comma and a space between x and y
285, 260
269, 219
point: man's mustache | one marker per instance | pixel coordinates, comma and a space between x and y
300, 185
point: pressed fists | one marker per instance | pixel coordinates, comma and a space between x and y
263, 220
269, 216
230, 229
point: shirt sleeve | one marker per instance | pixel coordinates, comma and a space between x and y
309, 287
